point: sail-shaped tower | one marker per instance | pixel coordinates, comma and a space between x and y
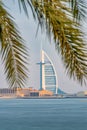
48, 76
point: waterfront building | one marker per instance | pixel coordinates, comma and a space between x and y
7, 92
24, 92
27, 92
31, 92
48, 76
19, 92
45, 93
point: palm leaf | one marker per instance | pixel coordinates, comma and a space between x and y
79, 8
13, 50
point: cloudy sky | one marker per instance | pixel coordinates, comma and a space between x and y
28, 27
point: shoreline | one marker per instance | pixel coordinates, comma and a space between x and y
44, 97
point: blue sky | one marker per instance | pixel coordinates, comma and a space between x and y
28, 28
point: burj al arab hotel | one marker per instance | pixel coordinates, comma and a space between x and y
48, 76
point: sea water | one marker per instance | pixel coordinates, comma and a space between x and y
43, 114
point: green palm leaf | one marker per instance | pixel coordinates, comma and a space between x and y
13, 50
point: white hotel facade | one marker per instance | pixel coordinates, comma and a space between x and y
48, 76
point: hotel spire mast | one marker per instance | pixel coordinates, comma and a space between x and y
48, 76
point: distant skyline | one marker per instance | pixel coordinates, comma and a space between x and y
27, 28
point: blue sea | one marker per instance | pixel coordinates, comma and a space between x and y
43, 114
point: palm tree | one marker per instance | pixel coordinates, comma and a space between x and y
62, 20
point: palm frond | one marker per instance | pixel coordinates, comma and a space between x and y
13, 50
24, 4
79, 8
